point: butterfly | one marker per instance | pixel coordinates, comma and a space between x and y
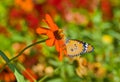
76, 47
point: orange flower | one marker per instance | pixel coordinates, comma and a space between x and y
28, 73
55, 36
26, 5
6, 75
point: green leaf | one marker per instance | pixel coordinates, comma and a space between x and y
18, 76
13, 68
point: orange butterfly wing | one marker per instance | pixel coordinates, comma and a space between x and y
75, 48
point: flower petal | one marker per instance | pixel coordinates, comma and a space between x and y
42, 30
57, 46
61, 42
50, 42
62, 46
64, 50
50, 34
60, 55
50, 22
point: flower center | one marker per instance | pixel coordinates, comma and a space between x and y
58, 34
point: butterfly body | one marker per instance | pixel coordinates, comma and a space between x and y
76, 48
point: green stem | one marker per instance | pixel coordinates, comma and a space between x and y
42, 80
7, 60
22, 52
27, 48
